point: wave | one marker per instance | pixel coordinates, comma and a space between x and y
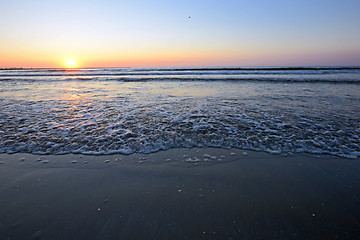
96, 128
188, 79
257, 69
275, 74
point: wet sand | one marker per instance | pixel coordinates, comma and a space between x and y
179, 194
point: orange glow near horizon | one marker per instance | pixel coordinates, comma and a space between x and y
166, 58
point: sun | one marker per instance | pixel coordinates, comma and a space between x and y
70, 63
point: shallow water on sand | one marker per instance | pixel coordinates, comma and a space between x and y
177, 194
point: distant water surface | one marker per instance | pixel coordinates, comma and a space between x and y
126, 110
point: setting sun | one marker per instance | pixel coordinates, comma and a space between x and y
70, 63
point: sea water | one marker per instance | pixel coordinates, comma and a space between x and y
127, 110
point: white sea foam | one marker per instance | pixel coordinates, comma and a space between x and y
50, 116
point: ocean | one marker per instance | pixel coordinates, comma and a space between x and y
99, 111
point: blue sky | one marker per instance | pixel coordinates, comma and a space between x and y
160, 33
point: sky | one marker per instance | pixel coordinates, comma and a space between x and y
179, 33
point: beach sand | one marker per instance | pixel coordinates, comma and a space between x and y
179, 194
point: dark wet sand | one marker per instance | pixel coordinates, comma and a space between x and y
163, 196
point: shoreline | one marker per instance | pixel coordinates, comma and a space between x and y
198, 193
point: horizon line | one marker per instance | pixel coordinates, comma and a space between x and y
302, 67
